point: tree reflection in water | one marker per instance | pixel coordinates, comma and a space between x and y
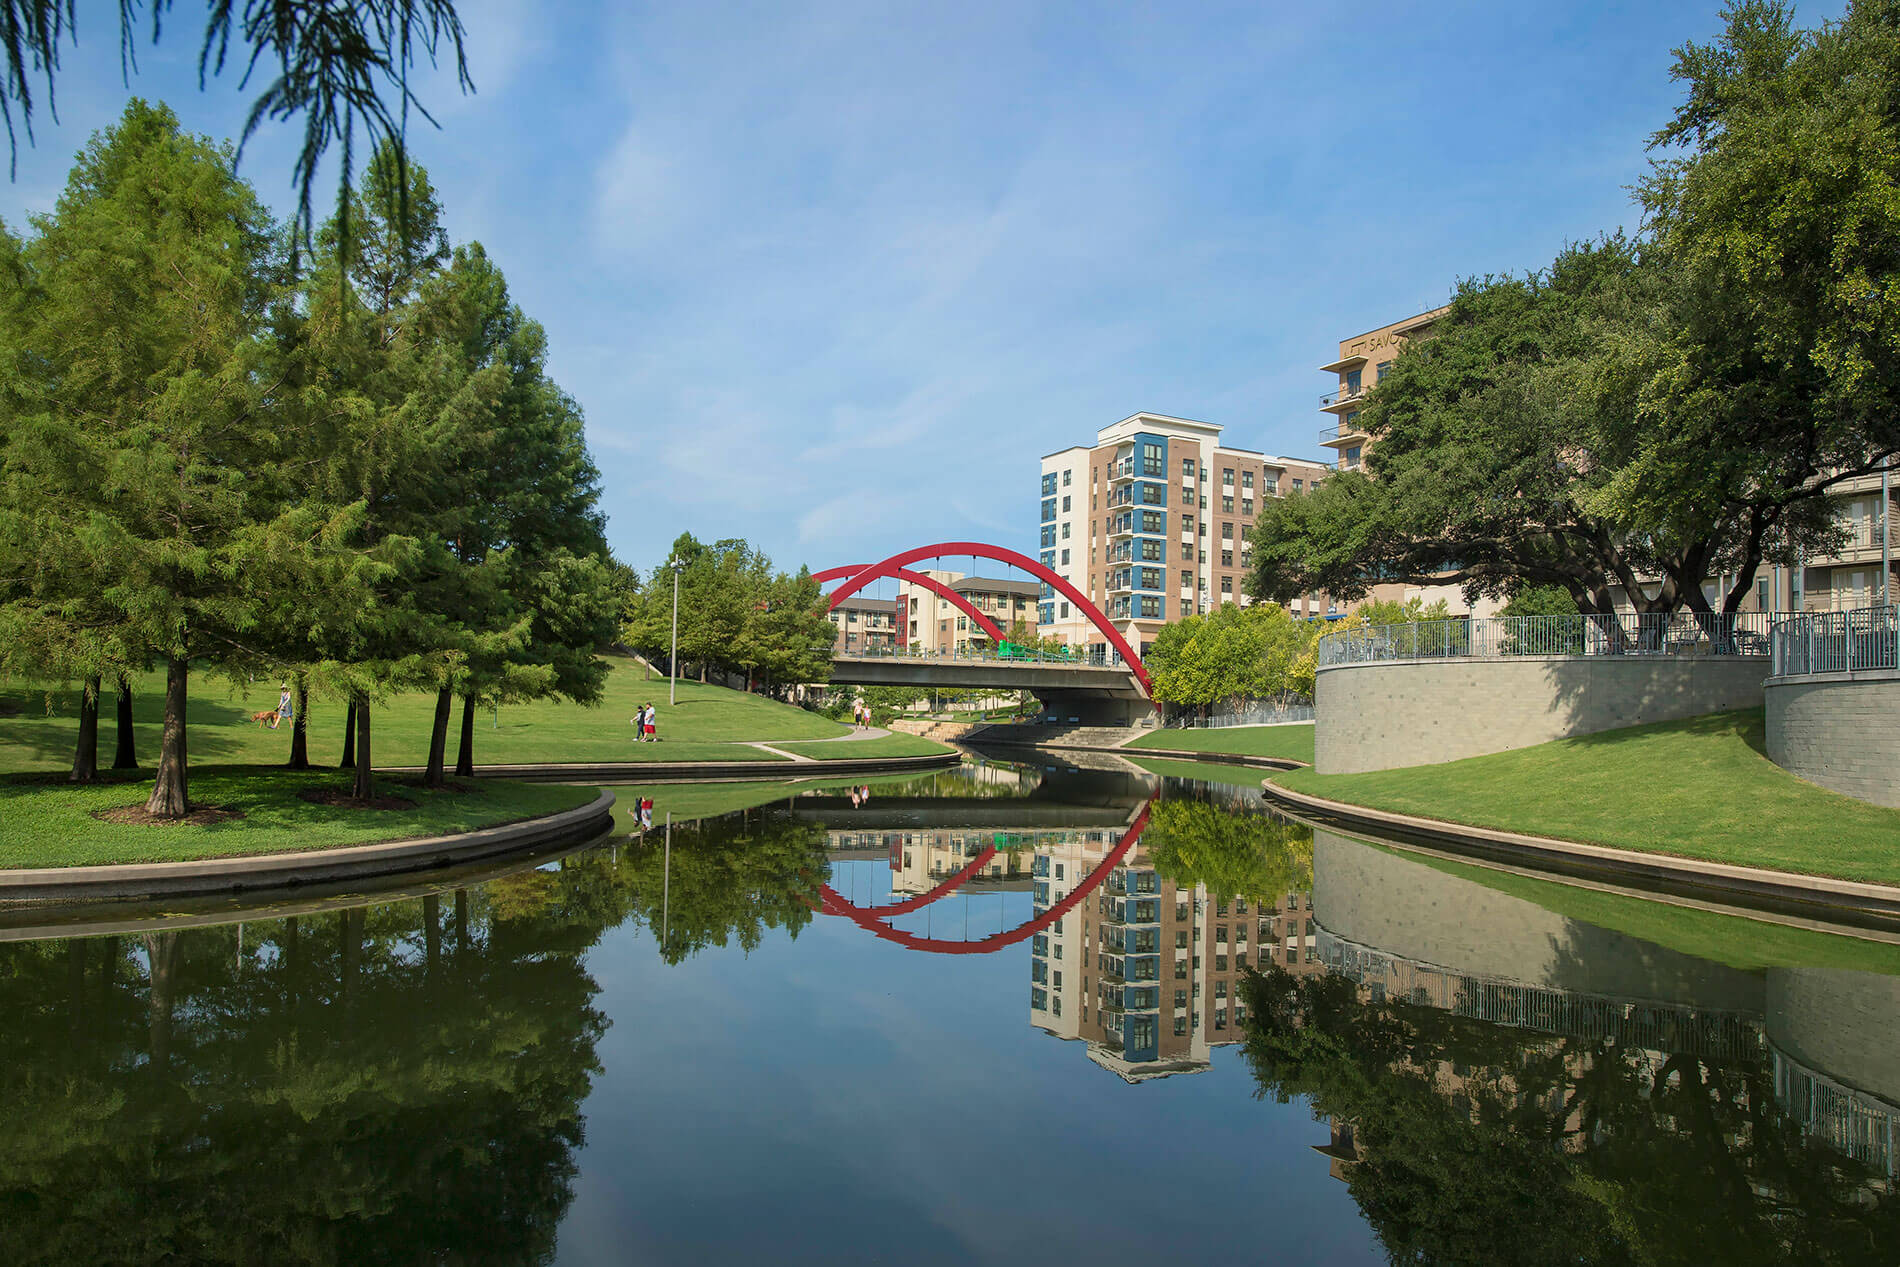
389, 1083
1478, 1143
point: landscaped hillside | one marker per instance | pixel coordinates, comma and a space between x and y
38, 728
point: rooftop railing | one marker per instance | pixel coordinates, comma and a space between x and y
1835, 642
1497, 637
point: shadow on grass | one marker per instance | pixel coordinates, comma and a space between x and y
44, 724
1745, 724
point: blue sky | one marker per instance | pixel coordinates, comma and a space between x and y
834, 277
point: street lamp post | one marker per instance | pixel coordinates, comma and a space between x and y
673, 678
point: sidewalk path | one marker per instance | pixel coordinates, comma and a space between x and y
870, 732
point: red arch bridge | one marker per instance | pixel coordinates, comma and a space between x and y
1107, 687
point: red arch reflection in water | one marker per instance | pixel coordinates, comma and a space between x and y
868, 918
959, 601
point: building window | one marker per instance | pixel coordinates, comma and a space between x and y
1187, 468
1273, 486
1353, 379
1187, 553
1227, 586
1352, 457
1048, 509
1227, 558
1065, 505
1227, 532
1065, 616
1065, 558
1296, 485
1227, 505
1385, 367
1227, 477
1048, 483
1065, 532
1065, 478
1246, 479
1246, 505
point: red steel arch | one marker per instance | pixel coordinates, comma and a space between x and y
959, 601
868, 918
976, 549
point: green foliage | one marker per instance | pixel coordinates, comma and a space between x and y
728, 880
361, 476
1232, 654
735, 614
1540, 600
1482, 1143
1260, 857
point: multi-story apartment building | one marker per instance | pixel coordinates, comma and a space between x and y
865, 624
1363, 360
931, 624
1849, 578
1150, 522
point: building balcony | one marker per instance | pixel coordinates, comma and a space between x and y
1344, 398
1344, 433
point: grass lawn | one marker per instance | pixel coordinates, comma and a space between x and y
1293, 742
1751, 945
38, 727
51, 824
1700, 788
892, 745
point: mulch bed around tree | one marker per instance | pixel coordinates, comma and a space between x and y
200, 816
340, 798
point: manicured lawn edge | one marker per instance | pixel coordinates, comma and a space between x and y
231, 874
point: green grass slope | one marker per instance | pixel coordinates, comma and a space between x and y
50, 824
39, 726
1700, 788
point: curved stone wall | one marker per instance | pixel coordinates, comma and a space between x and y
1385, 715
1840, 730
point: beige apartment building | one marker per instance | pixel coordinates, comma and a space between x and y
864, 624
930, 624
1150, 523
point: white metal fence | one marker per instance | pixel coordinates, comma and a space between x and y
1835, 642
1655, 633
1256, 713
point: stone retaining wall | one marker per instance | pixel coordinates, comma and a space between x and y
1382, 716
1840, 730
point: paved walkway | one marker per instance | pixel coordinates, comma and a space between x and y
869, 732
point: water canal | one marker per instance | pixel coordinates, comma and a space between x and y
1005, 1013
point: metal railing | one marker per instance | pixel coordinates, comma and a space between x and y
1082, 657
1835, 642
1497, 637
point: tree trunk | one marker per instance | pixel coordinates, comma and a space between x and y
170, 793
365, 766
86, 754
438, 738
299, 727
702, 672
127, 755
349, 738
465, 751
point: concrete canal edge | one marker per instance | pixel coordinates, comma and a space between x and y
1852, 900
316, 866
1168, 754
710, 771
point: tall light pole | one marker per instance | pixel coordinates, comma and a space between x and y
673, 678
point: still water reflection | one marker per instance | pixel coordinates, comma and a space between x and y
999, 1014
